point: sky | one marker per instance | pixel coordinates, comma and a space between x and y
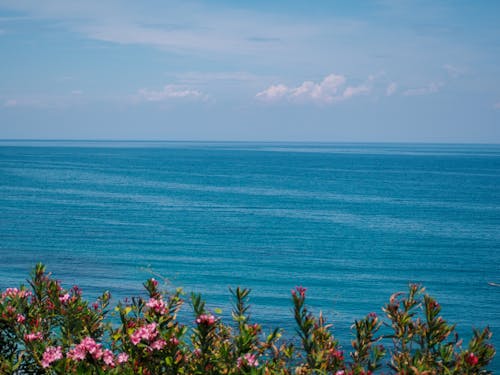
260, 70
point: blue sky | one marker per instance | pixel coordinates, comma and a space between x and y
382, 71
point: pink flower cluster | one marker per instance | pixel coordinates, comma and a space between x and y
64, 298
122, 358
146, 333
248, 359
14, 292
158, 344
51, 354
157, 305
89, 346
205, 319
33, 336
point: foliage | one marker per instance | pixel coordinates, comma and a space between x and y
49, 330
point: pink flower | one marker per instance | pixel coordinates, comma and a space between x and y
472, 359
158, 344
122, 358
340, 372
154, 282
97, 352
33, 336
157, 305
248, 359
255, 328
147, 333
87, 345
174, 341
50, 355
251, 360
58, 284
24, 294
77, 354
205, 319
239, 362
135, 337
338, 354
65, 298
107, 357
20, 318
10, 292
11, 310
14, 292
301, 290
94, 349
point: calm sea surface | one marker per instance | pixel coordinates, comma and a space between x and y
351, 222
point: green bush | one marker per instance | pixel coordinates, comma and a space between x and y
49, 330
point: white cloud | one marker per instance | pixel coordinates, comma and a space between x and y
175, 25
170, 92
273, 92
10, 103
454, 71
431, 88
35, 101
325, 91
351, 91
47, 100
77, 98
329, 90
391, 89
204, 77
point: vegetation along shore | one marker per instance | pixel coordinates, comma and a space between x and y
46, 329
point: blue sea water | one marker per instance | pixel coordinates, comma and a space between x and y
351, 222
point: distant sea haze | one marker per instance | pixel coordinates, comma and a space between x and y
352, 223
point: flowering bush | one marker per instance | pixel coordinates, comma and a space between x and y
49, 330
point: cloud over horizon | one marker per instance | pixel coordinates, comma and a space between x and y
329, 90
431, 88
454, 71
10, 103
236, 70
391, 89
169, 92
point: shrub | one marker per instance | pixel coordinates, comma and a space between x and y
49, 330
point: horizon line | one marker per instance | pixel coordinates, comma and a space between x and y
97, 140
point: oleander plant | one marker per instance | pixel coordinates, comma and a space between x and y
46, 329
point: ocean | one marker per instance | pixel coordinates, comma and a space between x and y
353, 223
